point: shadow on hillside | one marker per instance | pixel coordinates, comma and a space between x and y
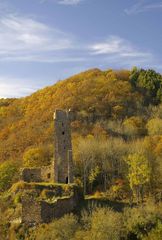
92, 203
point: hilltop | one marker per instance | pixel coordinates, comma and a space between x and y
93, 94
117, 154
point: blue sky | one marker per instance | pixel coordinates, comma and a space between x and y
42, 41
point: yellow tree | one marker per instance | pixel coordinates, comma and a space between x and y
38, 156
138, 173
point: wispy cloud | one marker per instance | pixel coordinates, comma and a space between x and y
143, 6
25, 38
114, 51
69, 2
13, 87
120, 52
115, 45
63, 2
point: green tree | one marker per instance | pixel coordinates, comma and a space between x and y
8, 171
149, 83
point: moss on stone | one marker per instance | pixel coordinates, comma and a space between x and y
41, 186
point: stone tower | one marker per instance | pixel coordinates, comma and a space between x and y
63, 148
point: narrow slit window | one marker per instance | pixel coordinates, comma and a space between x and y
67, 180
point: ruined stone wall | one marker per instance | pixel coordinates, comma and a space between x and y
31, 210
64, 206
47, 174
50, 211
31, 175
43, 174
40, 209
63, 148
36, 211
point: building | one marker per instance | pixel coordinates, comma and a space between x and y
61, 169
42, 202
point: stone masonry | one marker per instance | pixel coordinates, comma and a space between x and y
37, 209
63, 148
61, 169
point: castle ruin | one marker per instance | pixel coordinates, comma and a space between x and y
60, 170
42, 202
63, 148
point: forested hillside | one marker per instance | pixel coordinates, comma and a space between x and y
118, 105
28, 121
117, 145
110, 95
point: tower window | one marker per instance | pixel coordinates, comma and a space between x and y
63, 133
48, 175
67, 180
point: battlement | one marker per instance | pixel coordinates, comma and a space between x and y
61, 115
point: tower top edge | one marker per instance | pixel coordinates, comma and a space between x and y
61, 114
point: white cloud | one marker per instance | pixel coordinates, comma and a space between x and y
116, 49
119, 46
22, 37
143, 6
12, 87
69, 2
63, 2
43, 59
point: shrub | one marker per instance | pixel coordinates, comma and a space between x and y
138, 221
38, 156
105, 224
118, 192
8, 171
134, 126
156, 233
154, 126
61, 229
